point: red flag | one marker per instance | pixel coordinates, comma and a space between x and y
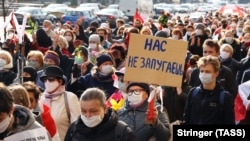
138, 16
48, 121
239, 108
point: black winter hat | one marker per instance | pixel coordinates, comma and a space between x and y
30, 70
103, 58
145, 86
53, 71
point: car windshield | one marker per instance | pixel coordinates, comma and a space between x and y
108, 11
26, 10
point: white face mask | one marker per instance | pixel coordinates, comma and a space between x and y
92, 45
107, 69
68, 38
4, 124
188, 33
239, 29
229, 39
2, 62
176, 37
92, 121
51, 86
224, 55
122, 86
198, 32
45, 29
205, 78
134, 99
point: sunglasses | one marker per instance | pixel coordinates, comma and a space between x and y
50, 79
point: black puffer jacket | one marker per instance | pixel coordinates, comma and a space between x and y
105, 131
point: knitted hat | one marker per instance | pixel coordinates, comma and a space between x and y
53, 71
145, 86
95, 38
161, 34
103, 58
30, 70
53, 57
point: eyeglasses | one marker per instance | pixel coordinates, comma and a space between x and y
136, 91
50, 79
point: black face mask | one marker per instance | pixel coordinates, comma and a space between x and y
118, 62
101, 38
224, 25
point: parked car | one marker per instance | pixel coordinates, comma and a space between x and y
111, 15
36, 14
73, 14
113, 6
54, 6
93, 6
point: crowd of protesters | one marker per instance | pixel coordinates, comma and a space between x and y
73, 79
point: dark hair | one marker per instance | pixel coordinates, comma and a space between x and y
31, 87
42, 38
6, 99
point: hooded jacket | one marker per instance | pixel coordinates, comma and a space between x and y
23, 121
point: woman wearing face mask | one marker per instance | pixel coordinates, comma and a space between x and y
70, 37
16, 118
64, 105
94, 47
97, 122
101, 76
7, 76
234, 42
118, 51
177, 34
35, 59
135, 112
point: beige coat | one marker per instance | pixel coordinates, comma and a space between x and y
59, 113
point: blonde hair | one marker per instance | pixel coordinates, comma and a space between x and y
146, 28
20, 95
228, 46
64, 41
38, 54
9, 60
214, 61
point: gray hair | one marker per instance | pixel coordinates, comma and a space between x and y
94, 94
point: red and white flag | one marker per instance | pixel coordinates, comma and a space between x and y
138, 16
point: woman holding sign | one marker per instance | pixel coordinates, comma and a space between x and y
136, 109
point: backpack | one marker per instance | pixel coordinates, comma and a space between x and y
119, 130
222, 95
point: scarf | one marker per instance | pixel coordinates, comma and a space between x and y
48, 97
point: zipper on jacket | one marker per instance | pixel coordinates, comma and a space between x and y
202, 105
